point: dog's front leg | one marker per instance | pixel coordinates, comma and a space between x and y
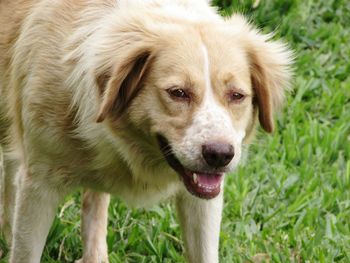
36, 204
8, 194
94, 227
200, 223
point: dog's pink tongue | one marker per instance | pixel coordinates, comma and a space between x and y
203, 185
210, 180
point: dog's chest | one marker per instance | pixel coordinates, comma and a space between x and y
140, 189
141, 194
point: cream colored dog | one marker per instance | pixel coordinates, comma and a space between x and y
141, 99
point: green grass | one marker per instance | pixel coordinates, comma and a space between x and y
290, 201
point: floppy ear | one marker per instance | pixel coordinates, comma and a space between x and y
270, 71
124, 81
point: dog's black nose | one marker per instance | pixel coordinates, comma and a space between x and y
217, 154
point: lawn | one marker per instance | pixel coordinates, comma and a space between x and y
290, 200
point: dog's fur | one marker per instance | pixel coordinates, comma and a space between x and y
84, 93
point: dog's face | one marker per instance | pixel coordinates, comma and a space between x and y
198, 92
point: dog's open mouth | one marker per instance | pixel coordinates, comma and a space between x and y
202, 184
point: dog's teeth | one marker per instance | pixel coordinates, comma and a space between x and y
194, 177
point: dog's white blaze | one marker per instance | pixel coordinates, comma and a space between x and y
206, 70
210, 123
216, 119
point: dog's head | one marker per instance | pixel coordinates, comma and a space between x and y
197, 88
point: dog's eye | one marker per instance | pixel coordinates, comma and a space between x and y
178, 93
236, 97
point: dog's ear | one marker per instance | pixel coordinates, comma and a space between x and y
270, 70
122, 83
270, 76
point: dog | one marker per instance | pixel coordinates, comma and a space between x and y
145, 100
